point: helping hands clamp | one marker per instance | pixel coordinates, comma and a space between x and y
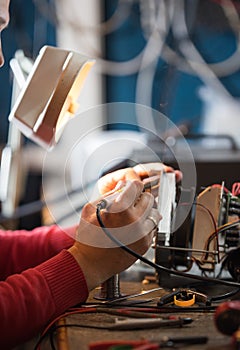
184, 297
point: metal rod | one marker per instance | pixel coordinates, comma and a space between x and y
186, 249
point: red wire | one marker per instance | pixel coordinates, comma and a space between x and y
236, 189
220, 186
71, 312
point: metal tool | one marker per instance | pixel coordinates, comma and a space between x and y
165, 342
131, 296
146, 323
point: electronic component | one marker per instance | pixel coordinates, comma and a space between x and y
212, 238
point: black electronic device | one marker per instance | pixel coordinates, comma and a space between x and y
209, 239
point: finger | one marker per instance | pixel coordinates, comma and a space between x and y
149, 169
88, 209
178, 173
149, 228
152, 220
144, 205
127, 197
155, 217
131, 175
108, 182
118, 188
151, 184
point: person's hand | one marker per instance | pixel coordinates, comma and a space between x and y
139, 172
131, 218
152, 169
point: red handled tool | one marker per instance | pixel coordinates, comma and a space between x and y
166, 342
227, 320
227, 317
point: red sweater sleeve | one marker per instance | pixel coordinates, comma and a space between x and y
22, 249
43, 281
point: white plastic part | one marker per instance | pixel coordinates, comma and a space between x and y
167, 203
48, 99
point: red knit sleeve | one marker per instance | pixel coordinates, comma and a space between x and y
30, 300
20, 250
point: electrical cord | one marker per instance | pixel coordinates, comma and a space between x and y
70, 325
101, 206
225, 295
221, 229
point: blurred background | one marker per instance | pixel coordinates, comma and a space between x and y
181, 58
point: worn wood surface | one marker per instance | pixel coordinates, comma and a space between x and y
75, 338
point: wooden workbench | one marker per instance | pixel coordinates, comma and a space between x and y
74, 338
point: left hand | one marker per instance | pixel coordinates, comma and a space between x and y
139, 172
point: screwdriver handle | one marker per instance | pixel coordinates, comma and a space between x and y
227, 317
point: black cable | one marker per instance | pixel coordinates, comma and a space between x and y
54, 328
225, 295
160, 309
213, 298
101, 205
52, 341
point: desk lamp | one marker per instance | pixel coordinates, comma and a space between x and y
42, 104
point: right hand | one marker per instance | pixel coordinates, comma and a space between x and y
130, 218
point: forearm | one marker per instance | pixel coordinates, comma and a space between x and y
30, 248
29, 301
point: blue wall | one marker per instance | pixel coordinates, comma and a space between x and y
175, 93
29, 29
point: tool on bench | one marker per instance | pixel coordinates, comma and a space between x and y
165, 342
184, 297
227, 320
146, 323
227, 317
129, 319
